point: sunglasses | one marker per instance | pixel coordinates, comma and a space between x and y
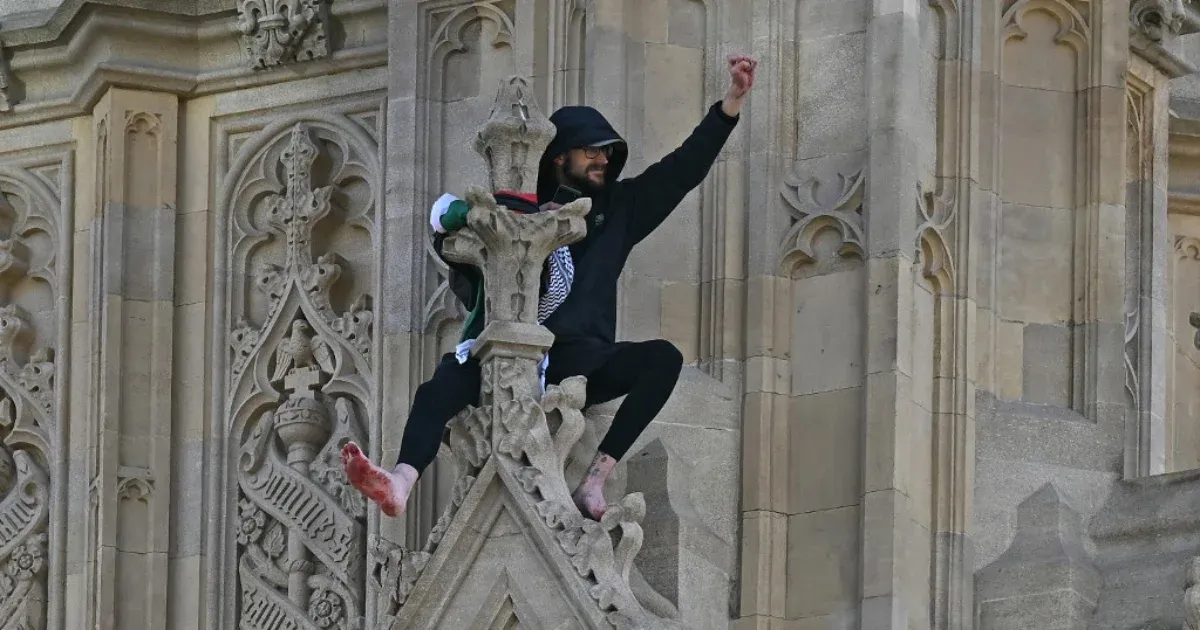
594, 152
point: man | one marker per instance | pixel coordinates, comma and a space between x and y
456, 381
588, 155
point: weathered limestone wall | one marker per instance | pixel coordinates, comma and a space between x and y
1099, 535
1051, 399
935, 301
147, 216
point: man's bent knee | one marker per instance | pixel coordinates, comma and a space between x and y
664, 356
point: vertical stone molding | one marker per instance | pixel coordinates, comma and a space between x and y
132, 271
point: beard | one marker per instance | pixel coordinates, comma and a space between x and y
582, 180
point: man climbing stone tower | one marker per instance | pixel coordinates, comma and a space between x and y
511, 448
585, 157
505, 142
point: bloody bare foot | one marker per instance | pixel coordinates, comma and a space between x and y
589, 496
390, 489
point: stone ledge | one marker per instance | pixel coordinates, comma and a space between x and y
205, 54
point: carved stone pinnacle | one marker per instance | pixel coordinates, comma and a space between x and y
514, 137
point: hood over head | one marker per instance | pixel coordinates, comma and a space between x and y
579, 126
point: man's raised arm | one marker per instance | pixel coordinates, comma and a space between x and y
658, 191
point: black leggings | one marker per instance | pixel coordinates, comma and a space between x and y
644, 372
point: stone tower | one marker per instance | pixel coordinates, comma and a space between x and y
936, 301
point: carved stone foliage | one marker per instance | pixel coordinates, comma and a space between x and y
29, 237
300, 382
23, 549
816, 206
525, 441
277, 32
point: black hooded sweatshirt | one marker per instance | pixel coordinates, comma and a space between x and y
623, 214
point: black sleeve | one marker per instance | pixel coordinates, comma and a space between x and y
462, 279
656, 192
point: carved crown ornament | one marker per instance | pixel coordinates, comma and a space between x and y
277, 32
300, 384
515, 443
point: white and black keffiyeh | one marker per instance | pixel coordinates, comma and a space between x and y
562, 274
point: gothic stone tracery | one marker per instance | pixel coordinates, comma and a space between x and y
28, 421
301, 531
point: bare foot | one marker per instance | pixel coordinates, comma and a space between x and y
389, 489
590, 502
589, 496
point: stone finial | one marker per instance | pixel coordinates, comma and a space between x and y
510, 248
514, 137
